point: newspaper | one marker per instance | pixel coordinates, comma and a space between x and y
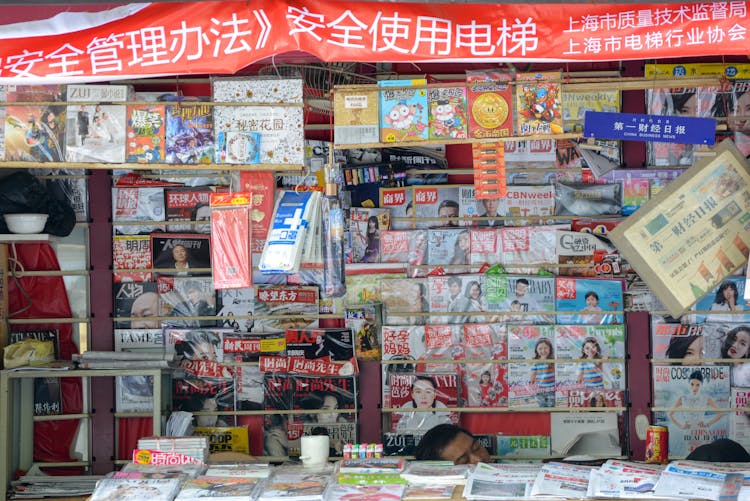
700, 480
498, 481
562, 480
624, 479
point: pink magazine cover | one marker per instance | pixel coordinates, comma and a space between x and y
484, 247
422, 391
485, 384
531, 384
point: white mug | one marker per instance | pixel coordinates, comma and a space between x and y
314, 450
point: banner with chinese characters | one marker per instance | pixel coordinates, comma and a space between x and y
694, 233
223, 37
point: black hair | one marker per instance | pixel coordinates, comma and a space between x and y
592, 293
194, 212
471, 284
436, 440
696, 374
730, 338
448, 203
524, 281
679, 99
720, 299
595, 341
679, 345
192, 338
722, 450
453, 279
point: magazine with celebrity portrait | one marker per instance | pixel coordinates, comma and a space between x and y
531, 384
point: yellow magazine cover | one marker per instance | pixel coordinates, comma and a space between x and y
539, 103
225, 439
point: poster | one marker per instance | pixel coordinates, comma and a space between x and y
694, 233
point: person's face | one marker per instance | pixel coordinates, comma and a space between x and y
371, 226
194, 295
203, 213
464, 242
447, 212
741, 108
739, 347
455, 288
521, 289
600, 401
690, 107
329, 403
695, 350
145, 305
728, 293
475, 291
591, 301
465, 450
179, 253
589, 349
695, 386
319, 340
515, 306
485, 378
204, 351
423, 393
491, 205
543, 350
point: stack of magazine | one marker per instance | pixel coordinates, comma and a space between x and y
195, 447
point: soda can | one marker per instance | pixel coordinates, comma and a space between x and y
657, 444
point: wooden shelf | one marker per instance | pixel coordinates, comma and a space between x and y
24, 237
409, 144
154, 166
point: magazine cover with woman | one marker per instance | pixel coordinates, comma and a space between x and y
590, 381
589, 301
485, 384
531, 384
435, 393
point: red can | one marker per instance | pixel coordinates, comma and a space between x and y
657, 444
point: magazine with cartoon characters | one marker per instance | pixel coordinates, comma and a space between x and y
539, 103
434, 394
145, 133
403, 110
35, 133
485, 384
590, 301
189, 133
490, 103
520, 299
590, 381
462, 296
447, 112
531, 384
692, 398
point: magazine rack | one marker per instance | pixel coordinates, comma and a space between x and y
17, 419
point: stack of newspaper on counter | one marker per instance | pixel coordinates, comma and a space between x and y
701, 480
224, 488
624, 479
288, 483
126, 489
124, 360
499, 481
435, 473
40, 485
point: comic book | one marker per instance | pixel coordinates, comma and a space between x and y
48, 398
539, 103
224, 488
484, 384
522, 299
404, 301
527, 249
204, 386
403, 110
589, 382
137, 205
187, 297
280, 127
587, 433
136, 299
365, 227
95, 133
739, 421
35, 133
124, 489
699, 389
591, 301
490, 108
285, 307
447, 112
134, 393
131, 252
178, 253
365, 322
462, 296
320, 394
355, 116
145, 133
422, 391
189, 133
531, 384
188, 204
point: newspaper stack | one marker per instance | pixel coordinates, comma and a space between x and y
195, 447
37, 486
624, 479
153, 489
692, 480
137, 470
224, 488
294, 485
501, 481
123, 360
435, 473
240, 470
562, 480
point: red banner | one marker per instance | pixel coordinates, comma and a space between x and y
223, 37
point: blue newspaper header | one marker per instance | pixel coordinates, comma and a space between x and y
659, 128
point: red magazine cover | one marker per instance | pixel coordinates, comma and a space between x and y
187, 204
131, 252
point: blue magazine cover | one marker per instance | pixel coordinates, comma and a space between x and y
727, 300
588, 301
190, 133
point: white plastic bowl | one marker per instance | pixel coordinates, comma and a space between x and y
25, 223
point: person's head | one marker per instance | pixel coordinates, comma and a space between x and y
145, 305
491, 205
727, 292
409, 211
201, 212
473, 290
448, 442
83, 107
695, 381
198, 345
543, 348
320, 339
515, 305
454, 286
597, 400
686, 347
330, 402
194, 292
722, 450
180, 253
372, 224
591, 348
685, 103
423, 392
741, 108
522, 286
485, 378
446, 210
737, 343
592, 298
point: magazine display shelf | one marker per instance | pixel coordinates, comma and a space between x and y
154, 166
17, 421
